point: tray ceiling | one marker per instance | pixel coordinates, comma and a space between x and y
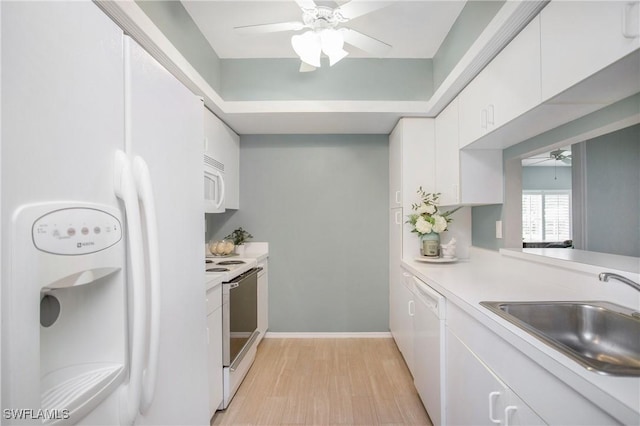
415, 28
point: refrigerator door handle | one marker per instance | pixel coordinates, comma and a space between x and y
145, 194
125, 189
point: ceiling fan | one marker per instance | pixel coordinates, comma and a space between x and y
562, 155
323, 33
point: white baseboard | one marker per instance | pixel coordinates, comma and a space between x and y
322, 335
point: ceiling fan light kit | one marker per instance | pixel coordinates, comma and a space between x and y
323, 36
310, 45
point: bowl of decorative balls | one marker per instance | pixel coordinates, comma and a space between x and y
221, 248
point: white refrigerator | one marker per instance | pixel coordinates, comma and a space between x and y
102, 292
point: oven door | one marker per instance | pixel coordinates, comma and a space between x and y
213, 190
239, 317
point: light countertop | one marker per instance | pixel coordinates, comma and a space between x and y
491, 276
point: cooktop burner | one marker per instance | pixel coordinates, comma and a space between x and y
231, 262
208, 261
218, 270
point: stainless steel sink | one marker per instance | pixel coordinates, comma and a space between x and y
601, 336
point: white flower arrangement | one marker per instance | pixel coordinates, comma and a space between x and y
427, 217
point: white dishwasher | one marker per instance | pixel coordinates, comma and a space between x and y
429, 349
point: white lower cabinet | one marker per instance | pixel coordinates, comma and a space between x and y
476, 396
480, 362
396, 311
406, 310
263, 299
214, 348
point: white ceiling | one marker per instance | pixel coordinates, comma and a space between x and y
414, 28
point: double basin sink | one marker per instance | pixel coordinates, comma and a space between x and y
600, 336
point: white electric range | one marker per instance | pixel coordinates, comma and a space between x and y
239, 301
227, 268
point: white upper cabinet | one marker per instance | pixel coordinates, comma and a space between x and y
464, 177
579, 39
395, 167
411, 160
507, 88
447, 157
223, 145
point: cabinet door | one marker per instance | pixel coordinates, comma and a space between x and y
395, 166
230, 152
514, 77
263, 299
214, 365
579, 38
396, 308
505, 89
405, 333
474, 396
447, 160
418, 158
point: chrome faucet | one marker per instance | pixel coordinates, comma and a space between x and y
604, 276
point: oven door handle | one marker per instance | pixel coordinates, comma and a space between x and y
231, 286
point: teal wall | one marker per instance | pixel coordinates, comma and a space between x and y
473, 19
546, 177
321, 203
613, 193
349, 79
176, 24
483, 226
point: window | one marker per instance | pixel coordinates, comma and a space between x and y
546, 216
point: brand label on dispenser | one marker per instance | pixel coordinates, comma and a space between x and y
75, 231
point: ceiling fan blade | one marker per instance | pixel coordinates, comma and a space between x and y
305, 67
306, 4
356, 8
364, 42
537, 162
269, 28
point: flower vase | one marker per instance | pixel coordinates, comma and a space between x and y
430, 244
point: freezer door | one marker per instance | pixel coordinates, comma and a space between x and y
62, 121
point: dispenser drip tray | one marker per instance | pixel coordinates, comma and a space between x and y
79, 388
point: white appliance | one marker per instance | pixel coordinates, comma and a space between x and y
103, 319
213, 184
239, 318
429, 349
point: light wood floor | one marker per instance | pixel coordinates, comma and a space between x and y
326, 382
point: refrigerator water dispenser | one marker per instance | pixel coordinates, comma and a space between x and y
67, 341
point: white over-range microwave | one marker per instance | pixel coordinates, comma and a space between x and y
213, 185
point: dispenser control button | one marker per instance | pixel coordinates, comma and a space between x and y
71, 232
56, 233
97, 230
85, 231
